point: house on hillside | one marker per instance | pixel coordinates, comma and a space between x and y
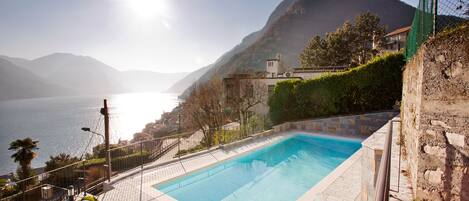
396, 40
257, 87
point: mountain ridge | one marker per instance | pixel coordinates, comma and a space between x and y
79, 75
296, 22
18, 83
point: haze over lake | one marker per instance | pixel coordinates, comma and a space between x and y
56, 121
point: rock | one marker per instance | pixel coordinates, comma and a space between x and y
457, 69
455, 139
431, 132
440, 58
434, 150
439, 123
433, 176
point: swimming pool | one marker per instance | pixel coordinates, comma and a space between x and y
282, 171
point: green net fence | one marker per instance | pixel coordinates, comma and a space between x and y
432, 16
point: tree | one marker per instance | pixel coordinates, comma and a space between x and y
59, 161
339, 46
204, 109
64, 176
350, 44
315, 53
367, 32
24, 155
245, 93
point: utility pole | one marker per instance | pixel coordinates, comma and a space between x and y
104, 111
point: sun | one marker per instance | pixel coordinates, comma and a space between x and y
149, 9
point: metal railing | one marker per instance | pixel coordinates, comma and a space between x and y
88, 176
80, 176
432, 17
384, 173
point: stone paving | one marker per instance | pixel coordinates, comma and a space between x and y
403, 191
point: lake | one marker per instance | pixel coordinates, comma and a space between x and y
56, 122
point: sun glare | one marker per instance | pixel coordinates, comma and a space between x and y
149, 9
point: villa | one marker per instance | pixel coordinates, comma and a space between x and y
236, 85
396, 40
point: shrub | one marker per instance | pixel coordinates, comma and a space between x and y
183, 152
376, 85
129, 161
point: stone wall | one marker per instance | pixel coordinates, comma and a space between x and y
435, 115
362, 125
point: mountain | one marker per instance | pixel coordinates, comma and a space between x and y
294, 22
68, 74
138, 81
17, 82
16, 61
188, 80
245, 43
85, 74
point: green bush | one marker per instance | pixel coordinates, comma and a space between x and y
130, 161
183, 152
376, 85
120, 163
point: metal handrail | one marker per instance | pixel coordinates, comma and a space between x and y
383, 180
152, 140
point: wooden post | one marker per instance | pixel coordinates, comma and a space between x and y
105, 112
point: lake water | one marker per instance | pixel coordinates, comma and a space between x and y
56, 122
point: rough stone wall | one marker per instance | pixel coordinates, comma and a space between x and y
362, 125
435, 114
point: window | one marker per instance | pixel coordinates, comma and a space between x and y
250, 91
270, 90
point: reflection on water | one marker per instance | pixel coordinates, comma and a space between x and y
56, 122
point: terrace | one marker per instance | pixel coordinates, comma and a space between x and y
340, 184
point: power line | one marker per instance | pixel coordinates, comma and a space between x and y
91, 137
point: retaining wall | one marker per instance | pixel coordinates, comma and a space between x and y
435, 115
362, 125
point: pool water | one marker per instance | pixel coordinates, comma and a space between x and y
282, 171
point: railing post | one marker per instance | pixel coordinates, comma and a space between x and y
141, 170
179, 146
23, 188
84, 176
383, 180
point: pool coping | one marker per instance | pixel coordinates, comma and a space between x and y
325, 182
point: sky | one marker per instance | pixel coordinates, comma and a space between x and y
156, 35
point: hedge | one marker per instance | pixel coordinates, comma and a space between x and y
122, 162
374, 86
